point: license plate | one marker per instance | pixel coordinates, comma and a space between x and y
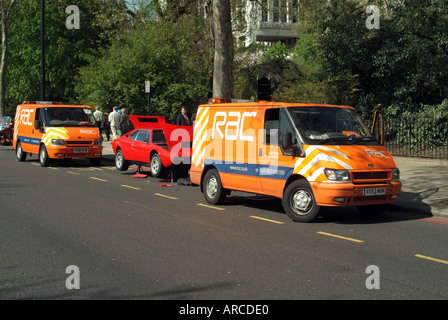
80, 151
374, 191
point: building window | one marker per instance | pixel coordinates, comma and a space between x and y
264, 10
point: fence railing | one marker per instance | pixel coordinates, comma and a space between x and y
415, 137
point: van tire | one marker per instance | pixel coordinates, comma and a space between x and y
120, 162
156, 166
43, 156
299, 202
213, 191
21, 156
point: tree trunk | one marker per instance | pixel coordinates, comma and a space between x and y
223, 61
6, 8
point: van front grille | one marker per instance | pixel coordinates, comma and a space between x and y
80, 143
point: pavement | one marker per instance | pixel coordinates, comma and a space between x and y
424, 184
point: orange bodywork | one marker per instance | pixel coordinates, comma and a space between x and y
81, 141
231, 138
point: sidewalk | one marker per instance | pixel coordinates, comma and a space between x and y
425, 183
425, 186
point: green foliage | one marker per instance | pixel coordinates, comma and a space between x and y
66, 50
169, 54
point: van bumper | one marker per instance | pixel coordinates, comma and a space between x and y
71, 153
349, 194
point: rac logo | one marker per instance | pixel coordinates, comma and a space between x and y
25, 116
230, 126
377, 154
88, 131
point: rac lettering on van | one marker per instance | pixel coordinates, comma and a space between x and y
233, 128
88, 131
25, 116
377, 154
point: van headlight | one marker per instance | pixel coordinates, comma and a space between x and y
58, 142
337, 175
98, 142
395, 174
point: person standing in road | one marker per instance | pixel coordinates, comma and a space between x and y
182, 119
99, 117
114, 119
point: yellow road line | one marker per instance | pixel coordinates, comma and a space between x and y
129, 187
98, 169
211, 207
268, 220
164, 196
98, 179
74, 173
53, 168
431, 259
340, 237
34, 164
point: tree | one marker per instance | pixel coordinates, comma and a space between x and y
7, 6
223, 59
171, 54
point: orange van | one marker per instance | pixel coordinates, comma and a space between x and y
52, 130
308, 155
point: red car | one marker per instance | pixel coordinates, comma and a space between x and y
6, 131
155, 144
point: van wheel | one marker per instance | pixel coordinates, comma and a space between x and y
213, 190
120, 161
43, 156
156, 166
21, 156
299, 202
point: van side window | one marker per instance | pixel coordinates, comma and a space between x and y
276, 124
271, 126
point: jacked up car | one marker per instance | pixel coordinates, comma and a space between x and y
154, 144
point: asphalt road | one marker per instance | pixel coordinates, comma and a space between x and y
139, 238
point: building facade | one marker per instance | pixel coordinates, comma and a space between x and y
270, 21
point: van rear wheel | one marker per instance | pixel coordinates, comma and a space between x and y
213, 191
299, 202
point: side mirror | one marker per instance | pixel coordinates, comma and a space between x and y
38, 124
286, 140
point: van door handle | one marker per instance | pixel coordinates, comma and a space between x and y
260, 152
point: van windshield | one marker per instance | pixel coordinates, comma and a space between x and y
68, 117
331, 126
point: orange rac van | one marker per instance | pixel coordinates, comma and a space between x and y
308, 155
53, 130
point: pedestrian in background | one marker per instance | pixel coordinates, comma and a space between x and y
126, 124
114, 119
119, 124
182, 119
99, 117
106, 124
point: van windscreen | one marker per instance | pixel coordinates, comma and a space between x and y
68, 117
330, 126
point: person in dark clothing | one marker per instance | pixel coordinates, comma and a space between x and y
182, 119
